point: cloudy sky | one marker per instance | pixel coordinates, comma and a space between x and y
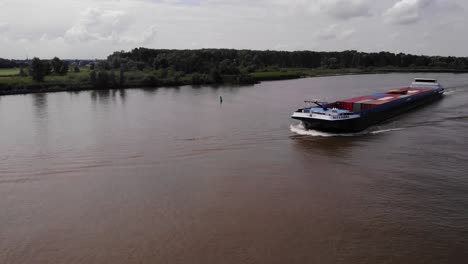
96, 28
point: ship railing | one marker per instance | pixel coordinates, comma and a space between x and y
318, 103
315, 101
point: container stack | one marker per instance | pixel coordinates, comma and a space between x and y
361, 103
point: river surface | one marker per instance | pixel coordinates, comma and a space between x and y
169, 175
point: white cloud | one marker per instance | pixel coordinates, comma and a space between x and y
149, 35
336, 9
4, 27
334, 32
394, 35
109, 27
97, 24
347, 9
406, 11
96, 28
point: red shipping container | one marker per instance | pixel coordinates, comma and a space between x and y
346, 105
357, 99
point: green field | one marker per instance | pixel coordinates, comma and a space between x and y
8, 76
9, 71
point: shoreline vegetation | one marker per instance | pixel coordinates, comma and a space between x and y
145, 68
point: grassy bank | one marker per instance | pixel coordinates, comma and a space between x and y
293, 73
82, 80
11, 83
9, 72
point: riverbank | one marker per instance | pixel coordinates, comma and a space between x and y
320, 72
78, 81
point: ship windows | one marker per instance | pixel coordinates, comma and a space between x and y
425, 80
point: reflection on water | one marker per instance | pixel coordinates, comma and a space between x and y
170, 175
150, 91
101, 96
123, 94
104, 97
41, 120
40, 105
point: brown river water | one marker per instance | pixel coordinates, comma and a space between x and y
169, 175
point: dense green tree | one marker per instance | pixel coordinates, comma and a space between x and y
163, 73
57, 65
140, 65
37, 69
124, 66
160, 61
112, 80
92, 77
64, 68
4, 63
121, 78
215, 76
103, 65
47, 68
232, 62
131, 65
115, 61
150, 80
102, 79
228, 67
197, 79
22, 73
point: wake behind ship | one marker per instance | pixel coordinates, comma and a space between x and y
356, 114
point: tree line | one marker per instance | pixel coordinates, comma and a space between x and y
230, 61
4, 63
38, 68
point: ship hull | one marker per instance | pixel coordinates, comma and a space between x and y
370, 117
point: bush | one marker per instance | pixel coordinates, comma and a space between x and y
64, 68
102, 79
197, 79
92, 77
215, 76
245, 79
150, 80
163, 73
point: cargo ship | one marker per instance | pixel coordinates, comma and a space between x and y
358, 113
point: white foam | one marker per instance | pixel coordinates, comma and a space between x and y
449, 92
385, 130
300, 130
